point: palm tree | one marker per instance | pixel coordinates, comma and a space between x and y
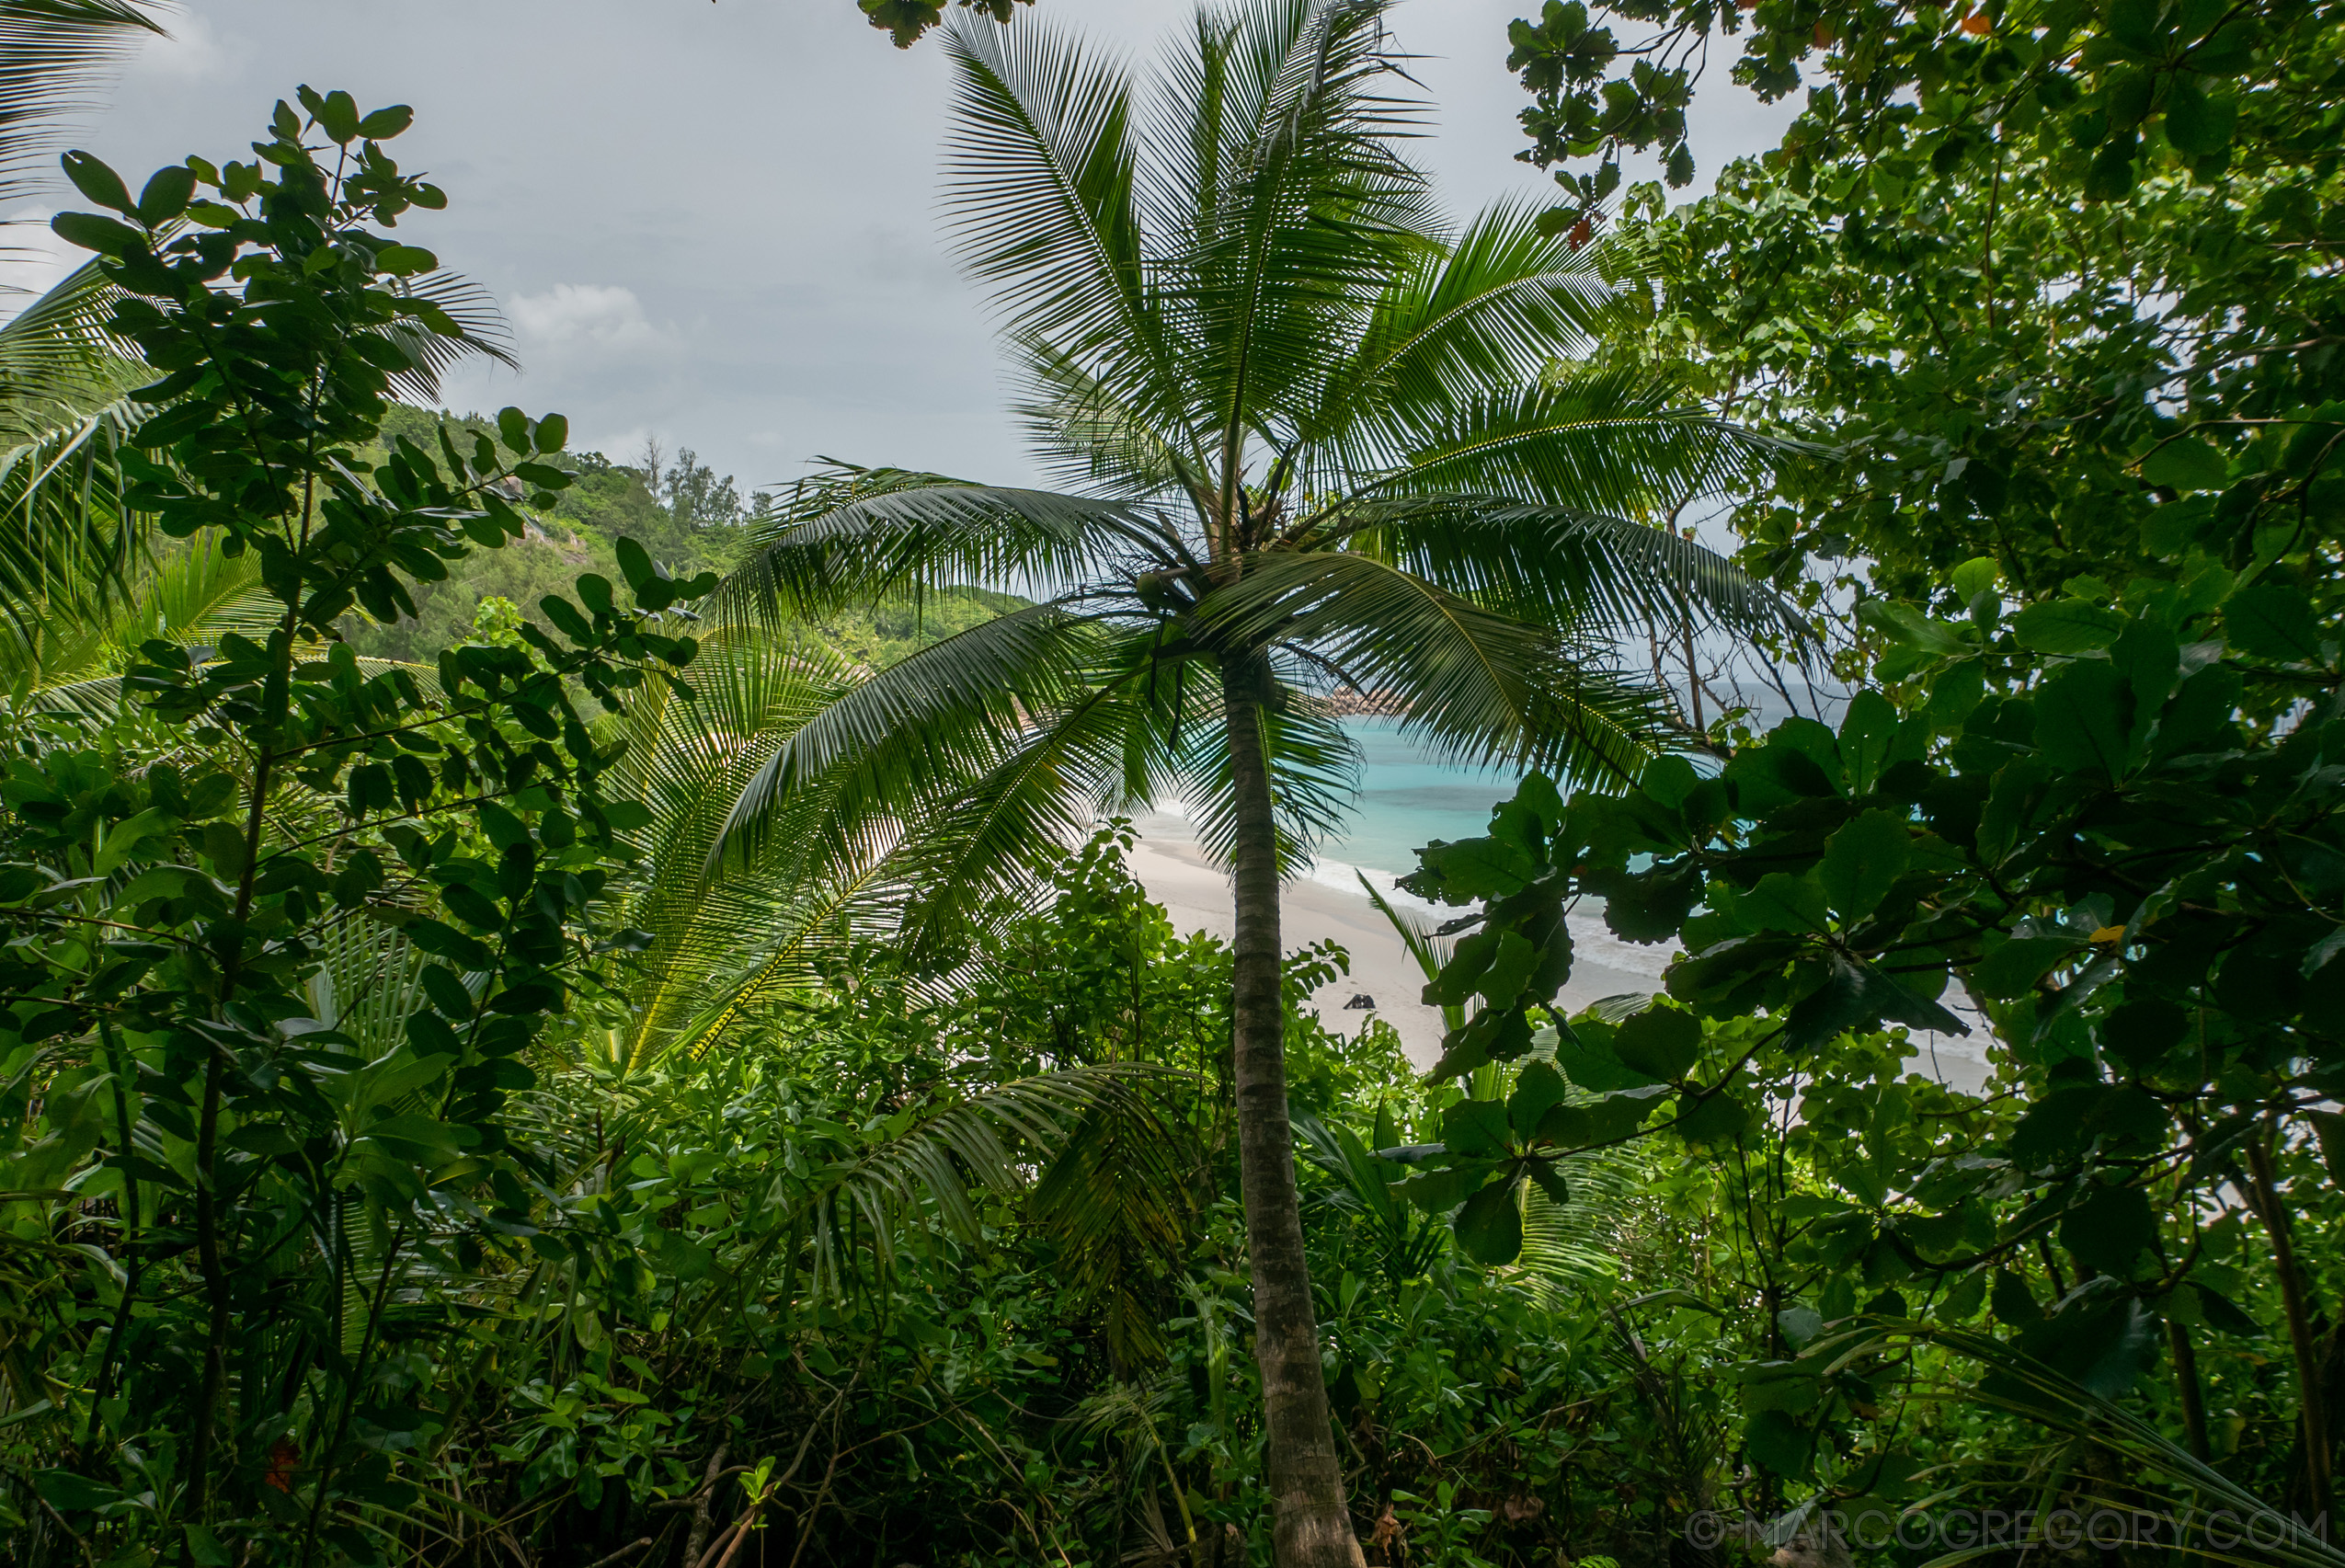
1312, 438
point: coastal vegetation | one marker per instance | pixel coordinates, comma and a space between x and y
553, 1011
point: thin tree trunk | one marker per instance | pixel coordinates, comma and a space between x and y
2312, 1420
2186, 1385
1312, 1528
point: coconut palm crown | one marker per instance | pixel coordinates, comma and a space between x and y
1309, 436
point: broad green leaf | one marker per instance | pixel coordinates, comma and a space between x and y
1776, 1440
97, 181
2013, 1302
1862, 861
1975, 577
1662, 1043
2066, 627
1912, 628
2012, 969
1669, 780
1784, 902
385, 123
1605, 1121
1537, 1089
1586, 1057
1858, 996
1510, 967
166, 195
2082, 719
2196, 122
1475, 1129
513, 429
108, 236
1490, 1226
1716, 1118
2111, 1230
2274, 621
2187, 464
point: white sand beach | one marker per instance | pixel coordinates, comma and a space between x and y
1328, 905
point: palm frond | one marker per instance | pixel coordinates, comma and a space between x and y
53, 55
481, 334
1487, 314
991, 1142
1122, 1211
1042, 202
58, 361
1478, 685
1610, 442
901, 534
1310, 212
2025, 1386
718, 946
920, 729
1314, 777
1565, 567
1408, 1242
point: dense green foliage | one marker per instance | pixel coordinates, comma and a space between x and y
684, 516
509, 1055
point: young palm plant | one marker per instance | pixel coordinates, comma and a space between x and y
1312, 438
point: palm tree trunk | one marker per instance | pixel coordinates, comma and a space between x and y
1312, 1528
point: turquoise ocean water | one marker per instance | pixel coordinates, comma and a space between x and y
1409, 797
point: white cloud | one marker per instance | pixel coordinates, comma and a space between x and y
586, 320
191, 52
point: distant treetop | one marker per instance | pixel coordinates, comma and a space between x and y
907, 19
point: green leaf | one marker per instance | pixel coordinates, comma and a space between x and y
97, 182
1439, 1191
1975, 577
2105, 1345
513, 429
1537, 1089
2013, 1302
1605, 1119
1857, 996
385, 123
338, 116
635, 565
71, 1494
2013, 968
2196, 123
1663, 1043
1475, 1127
1470, 869
405, 260
2223, 1313
108, 236
1912, 628
1490, 1226
2274, 621
553, 433
1716, 1118
1784, 902
2082, 719
2187, 464
1776, 1440
1669, 780
166, 195
2111, 1230
2066, 627
1862, 861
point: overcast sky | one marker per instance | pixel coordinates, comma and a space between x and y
715, 223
